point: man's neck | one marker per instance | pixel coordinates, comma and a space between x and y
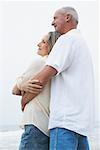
69, 27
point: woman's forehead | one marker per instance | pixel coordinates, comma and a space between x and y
45, 37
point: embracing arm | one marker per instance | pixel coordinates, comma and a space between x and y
41, 79
35, 85
46, 74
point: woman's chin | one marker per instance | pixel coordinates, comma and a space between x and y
39, 53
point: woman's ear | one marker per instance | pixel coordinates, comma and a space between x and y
68, 17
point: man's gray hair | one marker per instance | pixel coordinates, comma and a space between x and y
52, 38
71, 11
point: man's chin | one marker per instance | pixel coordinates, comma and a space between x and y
56, 29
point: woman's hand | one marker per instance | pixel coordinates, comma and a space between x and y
26, 98
16, 90
23, 104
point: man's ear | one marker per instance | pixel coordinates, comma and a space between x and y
68, 17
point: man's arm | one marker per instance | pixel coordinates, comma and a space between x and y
42, 78
46, 74
34, 86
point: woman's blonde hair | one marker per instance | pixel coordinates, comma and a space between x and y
52, 38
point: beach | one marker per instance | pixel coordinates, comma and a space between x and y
10, 140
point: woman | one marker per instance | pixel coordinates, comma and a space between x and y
36, 111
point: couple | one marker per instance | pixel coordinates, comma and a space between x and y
69, 68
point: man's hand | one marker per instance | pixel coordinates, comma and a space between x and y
32, 86
36, 84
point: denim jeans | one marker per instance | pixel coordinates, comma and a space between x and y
33, 139
63, 139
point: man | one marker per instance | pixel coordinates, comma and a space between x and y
70, 68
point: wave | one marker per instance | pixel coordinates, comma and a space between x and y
12, 127
10, 140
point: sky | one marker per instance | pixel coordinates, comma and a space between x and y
22, 25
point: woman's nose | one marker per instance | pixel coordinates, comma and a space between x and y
38, 44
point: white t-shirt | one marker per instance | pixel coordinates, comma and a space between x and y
71, 104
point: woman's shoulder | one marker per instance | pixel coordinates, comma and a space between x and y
38, 62
39, 59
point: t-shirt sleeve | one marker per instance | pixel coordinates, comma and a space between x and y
61, 55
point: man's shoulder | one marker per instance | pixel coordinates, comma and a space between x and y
74, 35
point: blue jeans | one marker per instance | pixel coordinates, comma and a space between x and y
63, 139
33, 139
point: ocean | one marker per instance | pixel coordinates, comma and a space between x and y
10, 138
